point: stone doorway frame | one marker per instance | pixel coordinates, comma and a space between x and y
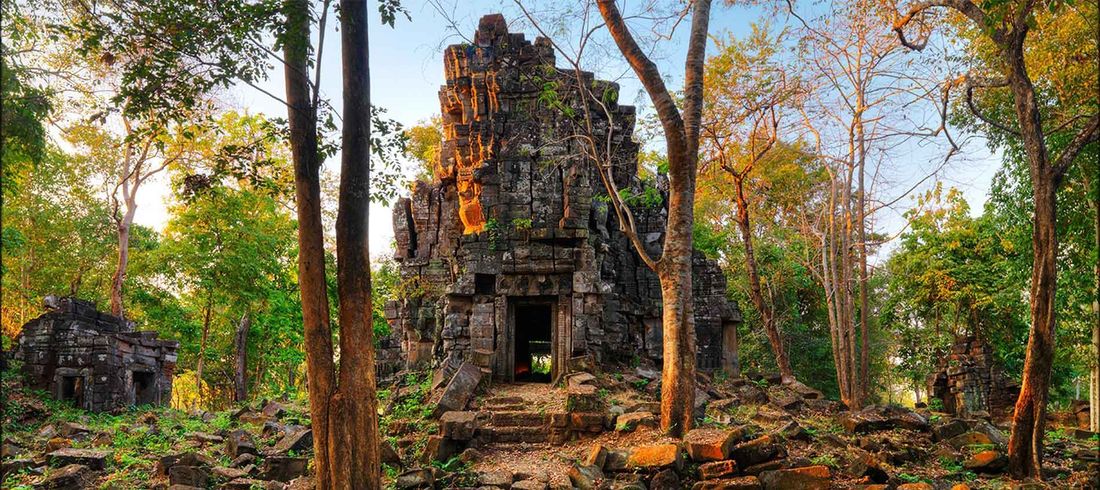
507, 351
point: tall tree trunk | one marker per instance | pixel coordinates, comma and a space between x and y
201, 362
674, 267
861, 235
1025, 446
302, 123
678, 314
119, 276
1092, 188
767, 314
353, 439
240, 341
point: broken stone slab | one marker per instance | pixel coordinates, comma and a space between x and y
300, 440
417, 478
805, 478
73, 430
204, 438
251, 484
15, 465
863, 464
628, 422
229, 473
718, 469
756, 451
948, 427
243, 460
655, 457
665, 480
166, 462
710, 444
585, 477
69, 477
94, 459
866, 420
583, 398
193, 476
580, 378
995, 435
389, 454
240, 442
58, 443
793, 431
972, 438
283, 468
989, 461
458, 425
738, 483
459, 390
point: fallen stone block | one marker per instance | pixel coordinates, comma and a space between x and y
655, 457
718, 469
283, 468
805, 478
69, 477
239, 442
93, 459
628, 422
990, 462
459, 390
738, 483
756, 451
710, 444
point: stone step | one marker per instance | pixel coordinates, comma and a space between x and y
531, 435
518, 419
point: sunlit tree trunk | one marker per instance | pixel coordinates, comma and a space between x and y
767, 313
302, 122
674, 267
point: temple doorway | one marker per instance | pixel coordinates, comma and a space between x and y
533, 351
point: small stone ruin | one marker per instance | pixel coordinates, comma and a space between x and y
511, 259
968, 381
94, 359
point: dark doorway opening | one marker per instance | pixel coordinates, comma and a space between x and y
72, 389
144, 389
533, 354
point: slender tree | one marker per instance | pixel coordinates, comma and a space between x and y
1007, 25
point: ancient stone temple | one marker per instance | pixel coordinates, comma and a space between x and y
968, 380
94, 359
510, 258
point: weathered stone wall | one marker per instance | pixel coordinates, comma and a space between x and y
517, 216
968, 380
78, 353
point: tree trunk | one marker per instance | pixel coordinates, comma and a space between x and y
202, 342
674, 267
678, 317
119, 277
354, 441
240, 378
1025, 447
1093, 188
863, 379
302, 123
767, 314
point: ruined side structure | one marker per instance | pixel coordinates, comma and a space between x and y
969, 380
511, 259
94, 359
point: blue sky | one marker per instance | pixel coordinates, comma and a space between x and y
407, 70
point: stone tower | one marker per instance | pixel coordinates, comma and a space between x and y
509, 258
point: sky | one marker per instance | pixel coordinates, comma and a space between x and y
407, 70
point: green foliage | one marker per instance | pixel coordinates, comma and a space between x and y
493, 231
521, 224
825, 459
649, 197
